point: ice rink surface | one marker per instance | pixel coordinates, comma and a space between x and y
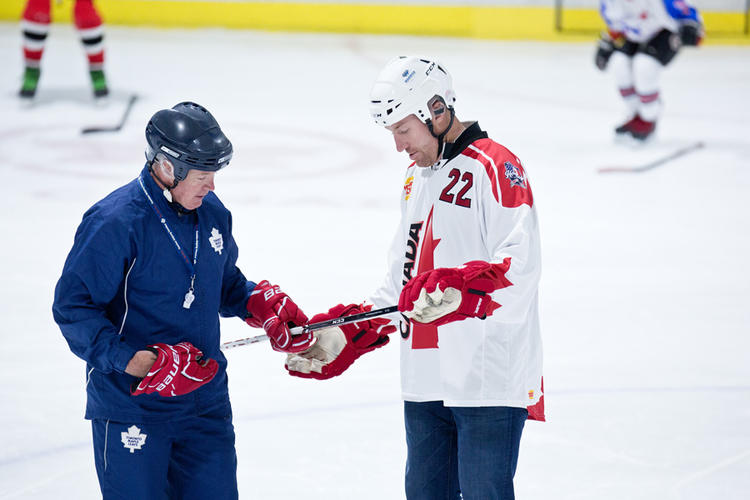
644, 297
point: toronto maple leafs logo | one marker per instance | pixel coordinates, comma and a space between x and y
133, 439
515, 175
216, 240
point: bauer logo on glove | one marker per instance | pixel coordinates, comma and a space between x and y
178, 369
271, 309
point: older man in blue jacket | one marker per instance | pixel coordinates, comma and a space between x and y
153, 266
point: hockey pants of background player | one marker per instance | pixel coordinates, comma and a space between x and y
454, 451
190, 458
637, 69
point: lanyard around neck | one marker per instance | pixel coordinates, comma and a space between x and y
190, 265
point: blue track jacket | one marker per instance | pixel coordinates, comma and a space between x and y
122, 288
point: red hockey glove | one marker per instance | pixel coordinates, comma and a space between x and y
178, 369
338, 347
273, 310
445, 295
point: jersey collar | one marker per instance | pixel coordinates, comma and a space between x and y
453, 149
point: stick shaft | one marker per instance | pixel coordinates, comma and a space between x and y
673, 156
353, 318
241, 342
315, 326
656, 163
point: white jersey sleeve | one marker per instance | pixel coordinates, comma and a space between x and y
511, 229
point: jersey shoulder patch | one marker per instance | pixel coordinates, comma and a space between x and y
507, 176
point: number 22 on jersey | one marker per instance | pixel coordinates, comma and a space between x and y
458, 186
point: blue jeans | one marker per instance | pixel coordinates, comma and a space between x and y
190, 458
455, 451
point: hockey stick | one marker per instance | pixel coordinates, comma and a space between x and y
375, 313
114, 128
656, 163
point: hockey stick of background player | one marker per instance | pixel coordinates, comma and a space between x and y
353, 318
114, 128
655, 163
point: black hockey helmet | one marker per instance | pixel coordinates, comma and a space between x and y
190, 137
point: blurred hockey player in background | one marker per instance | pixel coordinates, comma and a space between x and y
464, 267
153, 266
35, 25
642, 37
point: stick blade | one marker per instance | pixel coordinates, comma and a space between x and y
95, 130
113, 128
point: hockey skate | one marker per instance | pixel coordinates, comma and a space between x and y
99, 84
625, 127
638, 128
30, 82
641, 129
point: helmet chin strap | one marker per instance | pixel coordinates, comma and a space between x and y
440, 137
167, 191
162, 184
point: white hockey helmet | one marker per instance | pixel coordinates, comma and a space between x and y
405, 86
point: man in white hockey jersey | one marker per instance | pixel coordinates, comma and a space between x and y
642, 37
464, 267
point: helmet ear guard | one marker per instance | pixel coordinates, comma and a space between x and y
407, 85
439, 101
189, 136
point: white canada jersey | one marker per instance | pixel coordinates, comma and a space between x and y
641, 20
476, 205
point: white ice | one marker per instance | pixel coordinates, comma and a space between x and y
644, 296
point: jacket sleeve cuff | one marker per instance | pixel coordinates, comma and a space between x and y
122, 357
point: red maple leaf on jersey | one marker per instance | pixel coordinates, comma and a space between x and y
426, 336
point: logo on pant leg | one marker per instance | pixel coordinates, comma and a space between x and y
133, 439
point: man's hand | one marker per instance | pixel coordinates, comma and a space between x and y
273, 310
338, 347
140, 363
177, 370
445, 295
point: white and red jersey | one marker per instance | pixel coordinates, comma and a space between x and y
641, 20
476, 204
